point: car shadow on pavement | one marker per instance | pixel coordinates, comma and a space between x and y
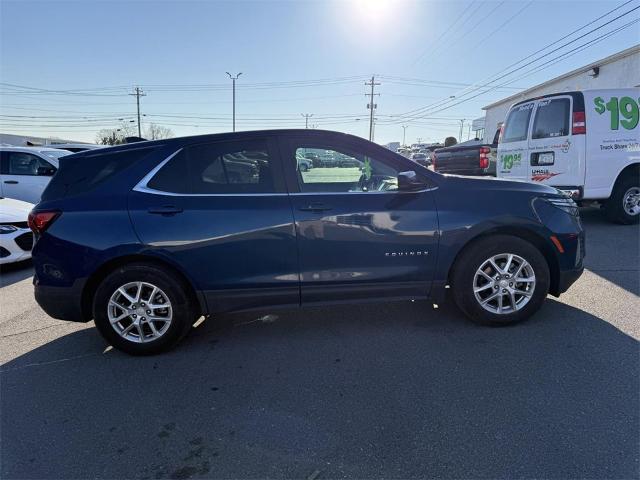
15, 272
613, 251
394, 390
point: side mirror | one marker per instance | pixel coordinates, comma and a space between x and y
46, 171
410, 182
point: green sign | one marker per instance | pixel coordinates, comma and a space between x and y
509, 159
626, 107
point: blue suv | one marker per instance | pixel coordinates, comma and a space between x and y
145, 238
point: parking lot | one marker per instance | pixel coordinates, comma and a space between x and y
398, 390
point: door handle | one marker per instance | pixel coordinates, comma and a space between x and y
166, 210
316, 207
11, 182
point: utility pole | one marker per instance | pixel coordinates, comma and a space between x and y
371, 106
233, 80
307, 116
138, 93
404, 134
461, 127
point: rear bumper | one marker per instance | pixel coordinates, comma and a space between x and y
62, 303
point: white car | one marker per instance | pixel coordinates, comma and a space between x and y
16, 239
26, 171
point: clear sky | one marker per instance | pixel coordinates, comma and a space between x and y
67, 67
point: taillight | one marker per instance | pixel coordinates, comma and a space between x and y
40, 221
484, 157
579, 125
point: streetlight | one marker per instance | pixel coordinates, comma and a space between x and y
233, 79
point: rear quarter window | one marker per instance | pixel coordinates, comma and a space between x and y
82, 173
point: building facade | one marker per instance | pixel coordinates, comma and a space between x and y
27, 140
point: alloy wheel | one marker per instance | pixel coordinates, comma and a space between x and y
504, 283
140, 312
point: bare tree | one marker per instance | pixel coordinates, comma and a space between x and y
157, 132
115, 136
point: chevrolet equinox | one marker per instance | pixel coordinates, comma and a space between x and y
147, 237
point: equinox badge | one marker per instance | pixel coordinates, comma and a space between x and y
406, 254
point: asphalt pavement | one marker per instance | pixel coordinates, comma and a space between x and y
398, 390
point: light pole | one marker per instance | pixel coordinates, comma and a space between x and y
461, 127
233, 80
404, 134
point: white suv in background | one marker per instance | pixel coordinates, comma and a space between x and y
26, 171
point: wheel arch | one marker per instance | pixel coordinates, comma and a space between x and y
526, 234
92, 283
631, 169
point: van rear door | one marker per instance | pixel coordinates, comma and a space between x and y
514, 143
556, 154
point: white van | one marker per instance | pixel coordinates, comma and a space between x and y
586, 143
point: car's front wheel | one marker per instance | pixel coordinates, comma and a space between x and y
500, 280
142, 309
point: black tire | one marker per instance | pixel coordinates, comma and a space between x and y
472, 258
614, 207
183, 307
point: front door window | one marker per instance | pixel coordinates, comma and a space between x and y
340, 170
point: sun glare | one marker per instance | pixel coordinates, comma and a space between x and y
374, 11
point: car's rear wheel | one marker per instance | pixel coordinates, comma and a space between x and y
624, 204
500, 280
142, 309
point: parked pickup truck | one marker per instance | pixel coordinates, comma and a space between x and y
468, 158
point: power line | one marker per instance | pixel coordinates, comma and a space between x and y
554, 60
494, 78
505, 23
459, 29
444, 33
22, 89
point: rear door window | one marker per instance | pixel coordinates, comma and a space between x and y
552, 118
517, 124
238, 167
